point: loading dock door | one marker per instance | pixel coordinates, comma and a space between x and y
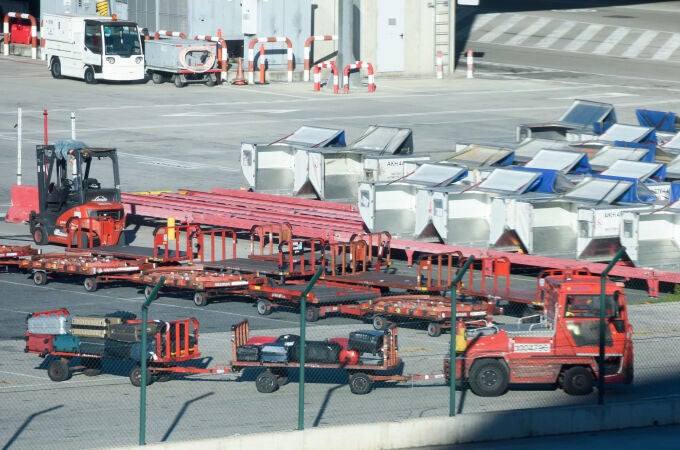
390, 46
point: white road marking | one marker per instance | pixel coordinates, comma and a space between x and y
610, 42
583, 38
640, 44
502, 28
529, 31
556, 35
668, 48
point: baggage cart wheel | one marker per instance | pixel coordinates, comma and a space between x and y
281, 374
40, 277
136, 376
211, 80
266, 382
360, 384
58, 370
380, 323
312, 314
90, 284
200, 299
93, 366
157, 78
178, 81
489, 378
577, 381
264, 307
434, 329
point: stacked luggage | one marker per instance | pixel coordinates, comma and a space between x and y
362, 347
115, 335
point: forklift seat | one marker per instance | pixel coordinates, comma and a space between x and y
91, 183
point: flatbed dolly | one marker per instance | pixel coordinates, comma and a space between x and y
361, 376
205, 284
325, 297
12, 255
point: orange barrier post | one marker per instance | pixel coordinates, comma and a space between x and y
317, 75
178, 34
262, 64
307, 49
358, 65
251, 55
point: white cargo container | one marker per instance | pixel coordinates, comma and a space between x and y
92, 48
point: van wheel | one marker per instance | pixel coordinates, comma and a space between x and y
55, 68
577, 381
89, 76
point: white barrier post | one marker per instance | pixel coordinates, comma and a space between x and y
469, 64
19, 146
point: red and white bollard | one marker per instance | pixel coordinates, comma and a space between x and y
470, 64
317, 75
440, 65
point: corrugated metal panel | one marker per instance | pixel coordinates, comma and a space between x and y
555, 160
599, 190
435, 175
625, 133
509, 181
633, 169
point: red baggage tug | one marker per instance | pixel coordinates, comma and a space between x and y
560, 348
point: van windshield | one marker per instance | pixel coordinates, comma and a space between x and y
122, 40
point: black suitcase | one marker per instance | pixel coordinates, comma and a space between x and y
92, 345
248, 353
288, 339
366, 341
274, 352
117, 349
317, 352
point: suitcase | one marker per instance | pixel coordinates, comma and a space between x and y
248, 353
92, 345
317, 352
342, 341
136, 350
66, 343
131, 332
93, 326
274, 352
261, 340
48, 324
289, 340
367, 341
117, 349
367, 359
39, 343
124, 315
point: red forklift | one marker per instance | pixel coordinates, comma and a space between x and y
78, 196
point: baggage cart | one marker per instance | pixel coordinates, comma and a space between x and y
361, 376
172, 346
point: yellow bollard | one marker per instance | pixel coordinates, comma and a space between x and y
171, 229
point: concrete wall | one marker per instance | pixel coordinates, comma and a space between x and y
464, 428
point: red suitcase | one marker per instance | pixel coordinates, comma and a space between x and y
260, 340
42, 344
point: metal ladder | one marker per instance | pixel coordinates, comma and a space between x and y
442, 33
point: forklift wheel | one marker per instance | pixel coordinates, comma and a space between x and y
39, 235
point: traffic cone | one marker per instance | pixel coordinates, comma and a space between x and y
240, 79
